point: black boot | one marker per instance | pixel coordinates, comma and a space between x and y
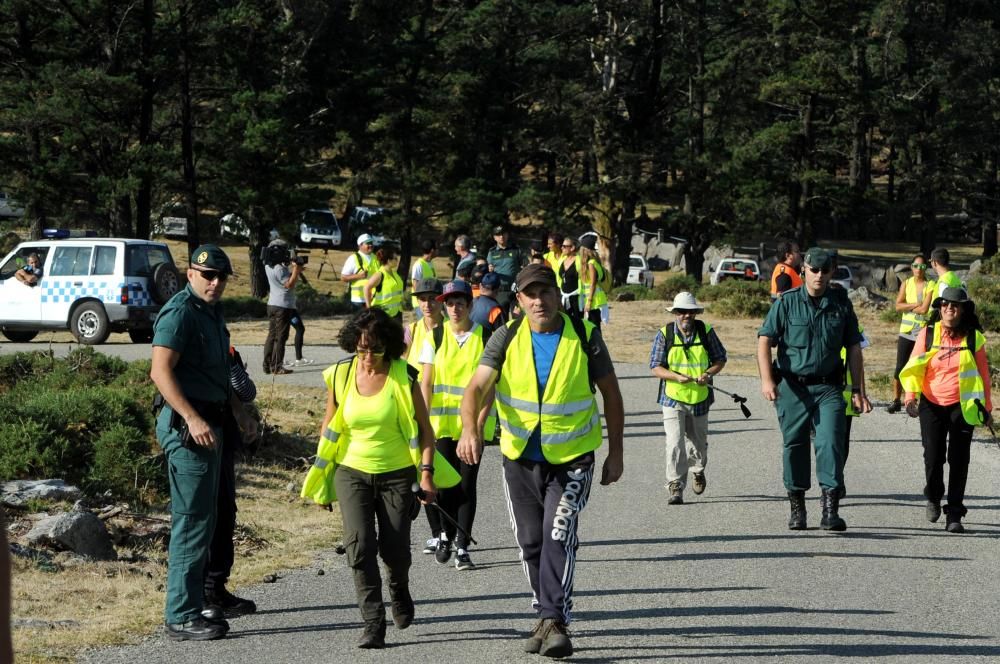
797, 500
830, 502
373, 635
953, 519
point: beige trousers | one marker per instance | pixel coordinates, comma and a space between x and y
687, 442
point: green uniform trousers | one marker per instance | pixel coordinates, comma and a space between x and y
385, 499
802, 408
194, 483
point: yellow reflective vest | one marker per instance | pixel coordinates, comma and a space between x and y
554, 262
690, 361
454, 366
850, 410
970, 382
333, 444
370, 265
911, 322
389, 297
567, 410
600, 297
418, 333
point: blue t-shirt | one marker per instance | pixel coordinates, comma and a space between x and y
543, 347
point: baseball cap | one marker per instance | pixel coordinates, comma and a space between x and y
499, 230
818, 257
589, 241
536, 273
364, 238
432, 286
491, 280
456, 287
210, 257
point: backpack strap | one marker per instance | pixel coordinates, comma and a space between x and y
929, 337
578, 327
438, 334
343, 367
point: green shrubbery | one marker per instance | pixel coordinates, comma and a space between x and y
674, 284
84, 419
730, 299
985, 292
309, 302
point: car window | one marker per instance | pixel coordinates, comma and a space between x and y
104, 260
71, 262
19, 260
635, 261
842, 273
319, 219
142, 259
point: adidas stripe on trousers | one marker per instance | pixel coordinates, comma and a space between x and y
545, 501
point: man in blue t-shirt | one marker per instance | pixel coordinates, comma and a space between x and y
546, 497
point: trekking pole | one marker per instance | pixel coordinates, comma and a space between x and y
421, 494
742, 401
986, 420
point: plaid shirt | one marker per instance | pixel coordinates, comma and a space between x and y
658, 358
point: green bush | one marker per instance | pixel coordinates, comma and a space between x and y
310, 302
991, 265
638, 291
890, 315
674, 284
733, 287
84, 419
984, 290
243, 306
989, 316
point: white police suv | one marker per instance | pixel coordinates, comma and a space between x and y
90, 286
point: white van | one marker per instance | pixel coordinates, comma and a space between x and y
90, 286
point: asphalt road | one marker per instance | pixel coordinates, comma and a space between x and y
719, 578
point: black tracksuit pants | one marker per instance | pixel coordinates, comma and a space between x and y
946, 436
221, 550
459, 501
545, 502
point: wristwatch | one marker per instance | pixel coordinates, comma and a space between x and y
428, 467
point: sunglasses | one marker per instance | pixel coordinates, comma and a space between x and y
823, 270
568, 246
948, 304
212, 275
377, 351
919, 266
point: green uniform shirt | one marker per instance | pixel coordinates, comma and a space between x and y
196, 330
809, 336
506, 263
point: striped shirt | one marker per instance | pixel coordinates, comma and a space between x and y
240, 380
658, 358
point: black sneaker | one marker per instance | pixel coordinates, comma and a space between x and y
230, 605
894, 407
462, 560
443, 553
373, 635
196, 629
555, 640
932, 511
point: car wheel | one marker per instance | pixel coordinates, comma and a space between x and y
20, 336
142, 336
166, 282
89, 324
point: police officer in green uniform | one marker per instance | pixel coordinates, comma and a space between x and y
190, 368
810, 325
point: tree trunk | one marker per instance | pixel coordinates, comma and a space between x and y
990, 209
144, 193
258, 240
187, 134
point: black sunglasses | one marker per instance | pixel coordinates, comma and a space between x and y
817, 270
212, 275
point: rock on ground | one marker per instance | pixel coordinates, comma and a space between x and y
79, 532
17, 493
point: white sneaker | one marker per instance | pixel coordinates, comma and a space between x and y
431, 546
299, 363
463, 561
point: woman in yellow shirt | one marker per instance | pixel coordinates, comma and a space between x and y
384, 289
375, 413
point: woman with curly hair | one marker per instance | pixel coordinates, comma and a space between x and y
375, 431
947, 384
384, 289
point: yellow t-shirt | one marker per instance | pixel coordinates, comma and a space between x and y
377, 445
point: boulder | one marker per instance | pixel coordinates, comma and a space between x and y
80, 532
624, 296
17, 493
862, 297
976, 267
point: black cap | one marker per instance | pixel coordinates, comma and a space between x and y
499, 230
432, 286
951, 294
589, 241
456, 287
536, 273
210, 257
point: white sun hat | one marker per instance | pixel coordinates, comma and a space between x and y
685, 302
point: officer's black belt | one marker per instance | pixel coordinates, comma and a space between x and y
212, 412
835, 378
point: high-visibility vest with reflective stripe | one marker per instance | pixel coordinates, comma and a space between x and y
950, 280
692, 361
911, 322
369, 263
554, 262
427, 272
333, 444
600, 297
566, 411
389, 298
970, 381
454, 366
418, 333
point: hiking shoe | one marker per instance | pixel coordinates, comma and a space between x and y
431, 545
555, 640
443, 552
894, 407
676, 493
229, 604
533, 643
699, 483
462, 560
373, 636
797, 504
196, 629
955, 527
282, 371
932, 511
402, 608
